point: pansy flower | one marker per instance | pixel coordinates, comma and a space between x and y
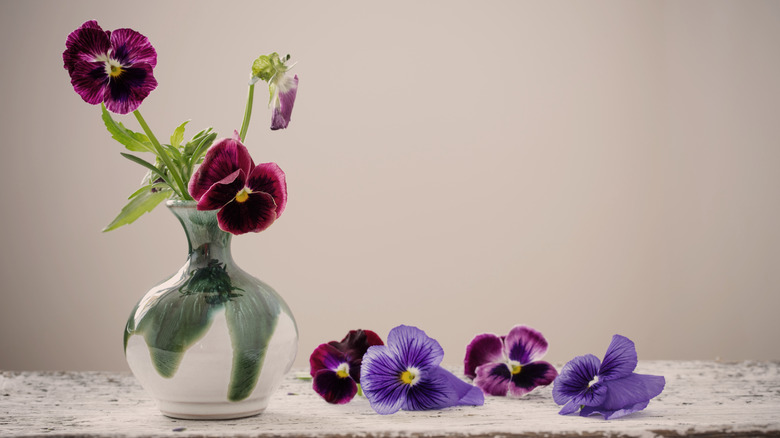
282, 86
405, 374
508, 364
114, 68
248, 197
610, 388
335, 366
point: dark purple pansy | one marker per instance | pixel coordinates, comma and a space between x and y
610, 388
405, 374
249, 198
335, 366
508, 364
114, 68
282, 101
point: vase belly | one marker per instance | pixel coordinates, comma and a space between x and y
199, 388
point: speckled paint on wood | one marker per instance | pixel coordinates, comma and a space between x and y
701, 398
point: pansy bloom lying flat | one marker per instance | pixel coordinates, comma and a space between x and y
508, 364
405, 374
610, 388
110, 67
248, 197
335, 366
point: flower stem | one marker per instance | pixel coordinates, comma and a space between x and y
181, 190
247, 112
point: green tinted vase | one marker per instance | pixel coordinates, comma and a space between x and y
212, 341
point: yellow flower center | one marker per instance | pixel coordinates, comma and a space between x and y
343, 371
115, 71
113, 68
516, 369
410, 376
243, 195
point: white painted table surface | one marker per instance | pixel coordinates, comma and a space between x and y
701, 398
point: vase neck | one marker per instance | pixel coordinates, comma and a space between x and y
205, 239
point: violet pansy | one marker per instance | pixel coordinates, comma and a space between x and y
335, 366
405, 374
509, 364
108, 67
609, 387
249, 198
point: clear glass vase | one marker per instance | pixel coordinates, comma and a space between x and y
211, 342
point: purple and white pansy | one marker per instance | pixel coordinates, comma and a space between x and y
509, 365
108, 67
406, 374
609, 387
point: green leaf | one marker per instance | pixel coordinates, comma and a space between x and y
178, 135
141, 203
174, 152
133, 141
155, 187
202, 147
149, 166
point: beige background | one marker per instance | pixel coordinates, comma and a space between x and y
586, 168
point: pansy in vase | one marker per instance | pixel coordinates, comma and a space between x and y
211, 341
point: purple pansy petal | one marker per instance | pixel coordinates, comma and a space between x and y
380, 379
283, 112
484, 348
525, 345
530, 376
627, 395
334, 389
414, 347
325, 357
493, 378
620, 359
89, 80
610, 414
85, 44
222, 192
569, 407
433, 391
574, 379
468, 395
223, 158
251, 216
354, 347
130, 47
269, 178
127, 91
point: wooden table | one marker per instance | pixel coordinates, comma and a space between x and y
708, 399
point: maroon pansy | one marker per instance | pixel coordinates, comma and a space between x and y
114, 68
335, 366
249, 198
508, 364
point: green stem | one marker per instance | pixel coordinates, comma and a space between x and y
247, 112
181, 190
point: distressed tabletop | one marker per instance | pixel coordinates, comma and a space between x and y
701, 398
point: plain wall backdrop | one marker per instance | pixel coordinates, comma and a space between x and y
585, 168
